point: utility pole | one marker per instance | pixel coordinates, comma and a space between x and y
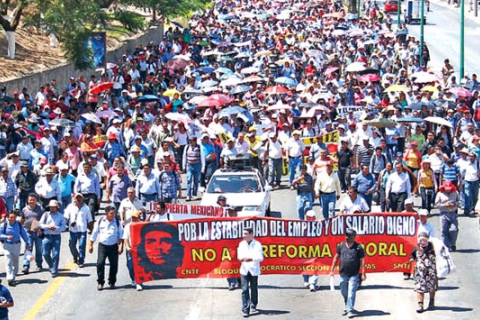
462, 39
422, 23
398, 13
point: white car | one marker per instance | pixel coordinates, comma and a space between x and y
246, 190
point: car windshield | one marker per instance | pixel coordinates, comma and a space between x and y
233, 184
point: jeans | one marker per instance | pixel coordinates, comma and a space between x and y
384, 205
304, 203
9, 203
81, 238
449, 226
428, 196
471, 196
34, 241
110, 252
131, 272
210, 168
11, 252
193, 177
310, 279
249, 296
274, 171
392, 148
348, 287
65, 202
344, 174
234, 281
293, 164
51, 251
329, 200
367, 198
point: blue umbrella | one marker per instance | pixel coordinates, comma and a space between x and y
205, 69
409, 119
193, 91
227, 112
208, 83
223, 70
242, 55
240, 89
286, 81
148, 98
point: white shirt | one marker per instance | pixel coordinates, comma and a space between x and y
48, 190
274, 149
243, 147
82, 216
254, 251
127, 207
295, 148
398, 183
348, 206
427, 227
470, 172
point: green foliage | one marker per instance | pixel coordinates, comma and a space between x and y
130, 20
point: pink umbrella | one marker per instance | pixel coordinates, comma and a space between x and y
460, 92
330, 70
179, 117
277, 90
369, 77
210, 101
223, 97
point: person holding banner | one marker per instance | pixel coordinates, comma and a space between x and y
366, 184
159, 214
352, 259
353, 203
327, 188
305, 191
127, 241
294, 149
250, 254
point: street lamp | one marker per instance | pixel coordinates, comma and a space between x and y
422, 23
462, 39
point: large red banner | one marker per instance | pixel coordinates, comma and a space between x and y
208, 247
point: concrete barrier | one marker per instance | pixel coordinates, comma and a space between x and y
64, 71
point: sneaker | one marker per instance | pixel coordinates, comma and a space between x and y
81, 265
245, 315
231, 287
188, 199
139, 287
453, 249
420, 307
38, 269
312, 288
99, 287
292, 188
350, 315
25, 270
134, 284
112, 286
253, 309
305, 284
12, 283
344, 312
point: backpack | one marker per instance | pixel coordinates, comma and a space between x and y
384, 161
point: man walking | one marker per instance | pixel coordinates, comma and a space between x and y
30, 217
328, 189
25, 182
447, 203
194, 161
88, 185
127, 240
352, 260
398, 188
53, 223
294, 149
10, 233
305, 192
118, 186
366, 184
79, 218
273, 151
109, 232
170, 186
250, 254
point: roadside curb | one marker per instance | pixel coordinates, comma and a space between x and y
468, 15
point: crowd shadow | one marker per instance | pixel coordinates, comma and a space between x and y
264, 312
31, 281
275, 214
371, 313
453, 309
467, 250
381, 286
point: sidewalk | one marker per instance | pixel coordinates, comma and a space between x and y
468, 15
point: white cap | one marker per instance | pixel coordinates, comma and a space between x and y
409, 201
423, 212
310, 213
115, 121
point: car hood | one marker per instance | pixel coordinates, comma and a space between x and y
237, 200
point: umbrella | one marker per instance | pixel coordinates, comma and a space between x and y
206, 69
397, 87
107, 113
381, 123
176, 24
148, 98
250, 70
409, 119
208, 83
439, 121
179, 117
424, 77
208, 102
286, 81
223, 70
92, 117
253, 78
182, 56
177, 64
221, 96
279, 106
284, 60
460, 92
277, 90
242, 55
230, 82
170, 92
231, 110
419, 105
315, 53
111, 65
429, 89
197, 99
226, 59
61, 123
192, 91
330, 70
351, 16
369, 77
263, 53
240, 89
338, 32
355, 67
101, 87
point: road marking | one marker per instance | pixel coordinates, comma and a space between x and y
196, 306
45, 297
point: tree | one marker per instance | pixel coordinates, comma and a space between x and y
10, 23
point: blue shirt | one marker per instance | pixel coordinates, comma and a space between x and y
108, 233
49, 219
87, 184
15, 230
450, 173
5, 296
65, 184
391, 132
364, 183
169, 184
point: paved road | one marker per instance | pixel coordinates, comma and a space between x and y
442, 35
73, 295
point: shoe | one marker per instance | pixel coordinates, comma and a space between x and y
134, 284
344, 312
245, 315
25, 270
188, 199
75, 260
112, 286
139, 287
253, 309
453, 249
305, 284
12, 283
38, 269
54, 274
420, 307
313, 288
99, 287
292, 188
431, 304
81, 265
231, 287
350, 315
406, 277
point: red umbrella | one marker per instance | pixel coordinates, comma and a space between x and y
460, 92
210, 101
101, 87
369, 77
277, 90
223, 97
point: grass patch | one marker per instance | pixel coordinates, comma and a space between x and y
116, 32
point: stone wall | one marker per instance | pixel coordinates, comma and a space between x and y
64, 71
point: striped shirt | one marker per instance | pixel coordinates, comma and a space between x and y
450, 173
363, 155
8, 188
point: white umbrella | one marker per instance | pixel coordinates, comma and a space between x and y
250, 70
439, 121
182, 56
355, 67
424, 77
338, 32
230, 82
178, 117
92, 117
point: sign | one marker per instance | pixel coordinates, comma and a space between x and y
98, 44
201, 248
185, 211
331, 137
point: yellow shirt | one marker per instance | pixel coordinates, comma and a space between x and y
426, 179
412, 160
252, 146
328, 183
